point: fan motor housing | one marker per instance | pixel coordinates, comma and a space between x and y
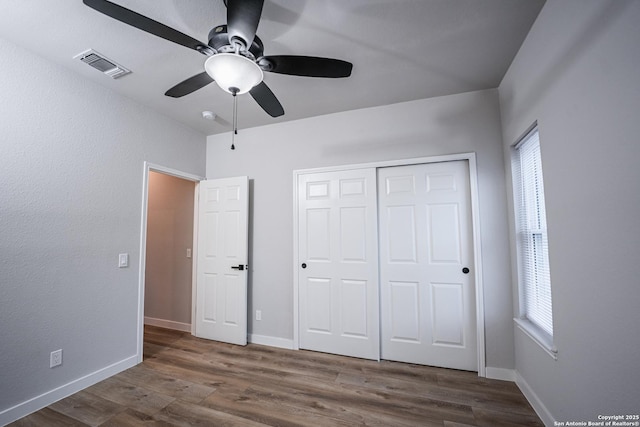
219, 40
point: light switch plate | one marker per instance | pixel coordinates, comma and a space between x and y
123, 260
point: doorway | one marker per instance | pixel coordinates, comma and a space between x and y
169, 260
166, 250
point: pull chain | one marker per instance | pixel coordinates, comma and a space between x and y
234, 92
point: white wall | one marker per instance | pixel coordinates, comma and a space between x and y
71, 170
167, 295
269, 154
578, 75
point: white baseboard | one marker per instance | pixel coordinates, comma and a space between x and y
535, 401
270, 341
501, 374
168, 324
36, 403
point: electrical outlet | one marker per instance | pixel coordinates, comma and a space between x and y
55, 359
258, 314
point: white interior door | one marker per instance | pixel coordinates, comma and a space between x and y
427, 291
221, 284
338, 271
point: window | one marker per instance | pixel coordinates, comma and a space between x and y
533, 253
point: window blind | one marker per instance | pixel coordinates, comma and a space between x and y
533, 248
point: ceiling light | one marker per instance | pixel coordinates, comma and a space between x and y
234, 73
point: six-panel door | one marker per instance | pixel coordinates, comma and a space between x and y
338, 272
427, 292
221, 284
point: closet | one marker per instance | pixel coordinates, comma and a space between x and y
386, 263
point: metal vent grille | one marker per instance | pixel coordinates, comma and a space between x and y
102, 64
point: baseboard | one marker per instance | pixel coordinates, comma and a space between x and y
501, 374
168, 324
270, 341
34, 404
535, 401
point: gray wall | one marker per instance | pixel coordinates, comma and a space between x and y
168, 273
578, 75
269, 155
71, 168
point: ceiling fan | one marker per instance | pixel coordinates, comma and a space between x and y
236, 60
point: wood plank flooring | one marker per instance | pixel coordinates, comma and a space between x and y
186, 381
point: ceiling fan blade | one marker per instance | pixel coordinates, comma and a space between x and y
243, 17
267, 100
190, 85
308, 66
146, 24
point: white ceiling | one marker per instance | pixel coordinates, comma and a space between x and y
401, 50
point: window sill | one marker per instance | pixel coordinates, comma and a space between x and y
539, 337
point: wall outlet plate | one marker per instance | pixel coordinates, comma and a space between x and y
55, 359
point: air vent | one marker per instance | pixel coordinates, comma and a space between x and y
102, 64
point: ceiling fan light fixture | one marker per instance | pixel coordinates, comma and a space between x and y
233, 72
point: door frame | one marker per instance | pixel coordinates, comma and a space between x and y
149, 167
475, 224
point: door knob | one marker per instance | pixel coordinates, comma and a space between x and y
304, 265
238, 267
465, 270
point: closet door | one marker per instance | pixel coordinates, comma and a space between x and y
338, 271
427, 289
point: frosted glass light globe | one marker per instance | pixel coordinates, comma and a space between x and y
233, 72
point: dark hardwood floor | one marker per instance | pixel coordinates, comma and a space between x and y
186, 381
